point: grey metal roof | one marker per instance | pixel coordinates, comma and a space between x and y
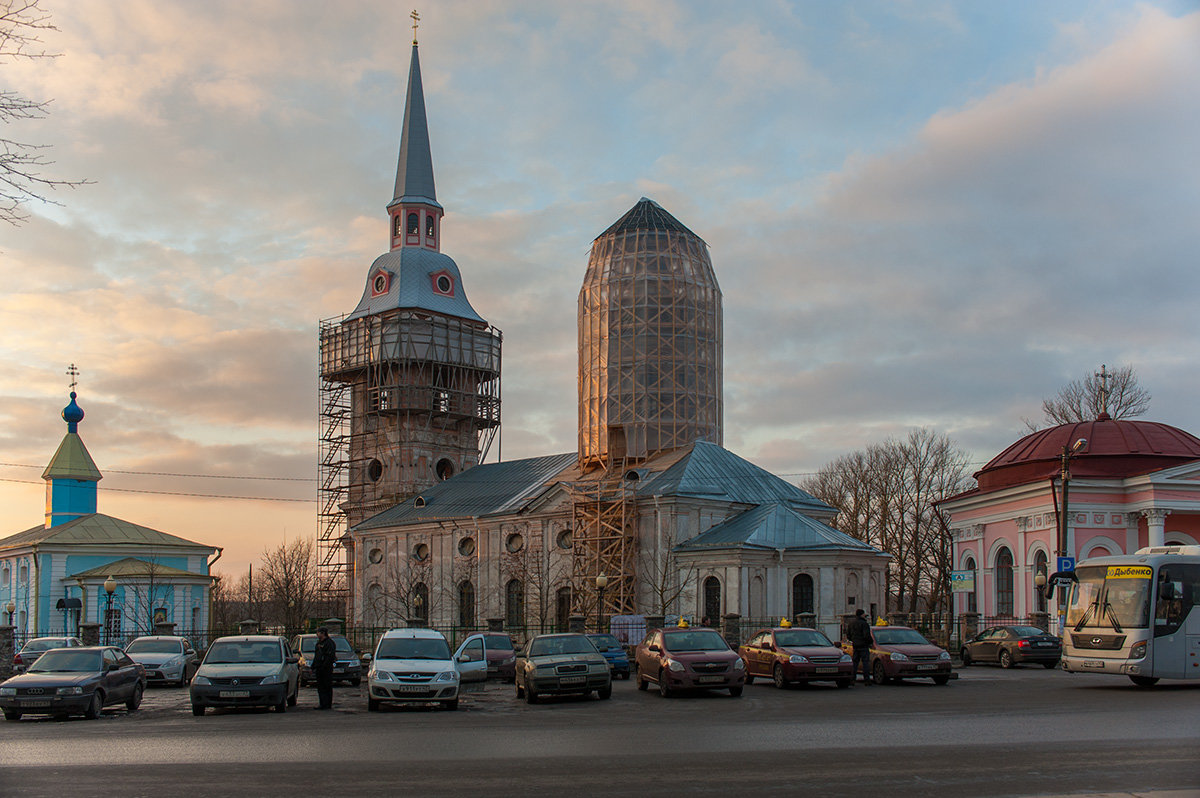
710, 471
647, 215
773, 527
489, 489
98, 528
414, 172
411, 285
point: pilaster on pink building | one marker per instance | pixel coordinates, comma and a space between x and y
1134, 484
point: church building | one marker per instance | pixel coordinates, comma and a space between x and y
650, 516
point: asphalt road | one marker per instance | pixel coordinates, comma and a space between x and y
1023, 732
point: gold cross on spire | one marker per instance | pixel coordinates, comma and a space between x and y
415, 18
1103, 375
73, 372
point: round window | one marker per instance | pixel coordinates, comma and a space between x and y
374, 470
445, 284
444, 469
515, 542
380, 285
466, 547
564, 539
421, 551
375, 556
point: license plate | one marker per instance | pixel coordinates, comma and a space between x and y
572, 680
36, 702
1093, 663
339, 670
234, 694
1047, 645
827, 670
412, 688
709, 679
926, 667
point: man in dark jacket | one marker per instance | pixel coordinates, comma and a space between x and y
859, 633
322, 667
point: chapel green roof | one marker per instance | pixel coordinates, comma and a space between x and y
131, 567
99, 529
72, 461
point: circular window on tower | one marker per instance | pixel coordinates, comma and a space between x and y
466, 547
443, 284
375, 556
515, 542
379, 285
444, 469
564, 539
421, 552
374, 470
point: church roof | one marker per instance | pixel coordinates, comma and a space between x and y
646, 215
98, 529
411, 282
414, 172
132, 566
489, 489
72, 461
711, 471
773, 527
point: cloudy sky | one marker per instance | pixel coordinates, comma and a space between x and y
920, 214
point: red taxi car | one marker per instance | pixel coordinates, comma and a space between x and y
688, 658
790, 655
899, 652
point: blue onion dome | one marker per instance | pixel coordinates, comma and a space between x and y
72, 413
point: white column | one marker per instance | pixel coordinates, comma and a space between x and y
1156, 518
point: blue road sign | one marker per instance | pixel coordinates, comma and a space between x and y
1066, 563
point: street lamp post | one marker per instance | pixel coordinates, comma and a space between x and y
110, 587
601, 583
10, 608
1067, 453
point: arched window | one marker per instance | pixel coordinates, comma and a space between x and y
972, 604
398, 225
802, 594
562, 607
373, 606
1004, 582
420, 601
514, 603
757, 596
466, 603
1041, 565
712, 600
429, 225
414, 224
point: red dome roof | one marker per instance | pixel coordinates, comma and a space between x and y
1115, 449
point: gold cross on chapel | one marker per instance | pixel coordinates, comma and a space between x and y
415, 18
73, 372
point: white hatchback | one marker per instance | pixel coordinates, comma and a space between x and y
415, 666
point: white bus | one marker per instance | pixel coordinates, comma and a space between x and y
1136, 614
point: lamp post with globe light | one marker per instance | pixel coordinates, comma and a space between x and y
11, 609
110, 587
1061, 577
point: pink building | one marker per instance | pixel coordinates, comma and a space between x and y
1134, 484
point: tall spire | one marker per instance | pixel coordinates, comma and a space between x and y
414, 173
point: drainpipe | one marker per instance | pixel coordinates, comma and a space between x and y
220, 551
36, 589
781, 574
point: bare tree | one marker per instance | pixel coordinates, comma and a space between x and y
663, 578
21, 24
542, 574
404, 592
1115, 392
146, 593
226, 609
292, 585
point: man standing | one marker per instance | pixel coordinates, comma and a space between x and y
859, 632
322, 668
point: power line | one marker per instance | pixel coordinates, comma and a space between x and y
171, 474
175, 493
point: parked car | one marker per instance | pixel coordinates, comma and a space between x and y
688, 658
1012, 645
166, 659
899, 652
561, 664
790, 655
415, 666
247, 671
473, 659
612, 650
37, 646
346, 668
501, 656
80, 680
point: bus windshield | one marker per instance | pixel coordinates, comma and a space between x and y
1117, 596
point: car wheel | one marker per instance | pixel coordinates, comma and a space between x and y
604, 693
95, 707
197, 709
878, 674
1144, 681
12, 714
749, 678
372, 705
291, 702
664, 689
1006, 660
282, 705
451, 705
135, 700
941, 680
777, 674
736, 692
530, 695
642, 684
1049, 665
966, 657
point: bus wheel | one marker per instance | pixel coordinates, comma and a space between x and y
1144, 681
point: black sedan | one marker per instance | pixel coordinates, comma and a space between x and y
1012, 645
74, 681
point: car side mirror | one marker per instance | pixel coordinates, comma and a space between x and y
190, 652
464, 657
112, 666
654, 648
292, 660
768, 647
366, 657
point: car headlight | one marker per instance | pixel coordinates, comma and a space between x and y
508, 660
545, 668
846, 658
275, 678
796, 659
675, 665
74, 690
447, 676
898, 657
200, 680
8, 692
598, 667
1138, 651
945, 655
738, 664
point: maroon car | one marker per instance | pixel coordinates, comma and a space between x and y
501, 656
789, 655
688, 658
899, 652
